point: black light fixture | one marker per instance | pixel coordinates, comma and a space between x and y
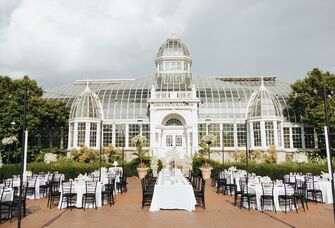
329, 148
22, 151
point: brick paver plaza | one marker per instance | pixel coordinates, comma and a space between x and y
127, 212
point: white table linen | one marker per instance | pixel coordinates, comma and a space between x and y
173, 193
80, 188
325, 187
8, 194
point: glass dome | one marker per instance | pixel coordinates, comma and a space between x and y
173, 47
263, 104
87, 105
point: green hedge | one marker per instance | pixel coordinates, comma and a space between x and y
71, 169
273, 170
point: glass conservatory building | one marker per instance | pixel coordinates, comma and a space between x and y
174, 108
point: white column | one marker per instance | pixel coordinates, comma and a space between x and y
75, 134
263, 135
235, 135
291, 137
127, 136
251, 131
315, 139
98, 134
69, 137
87, 134
113, 135
159, 143
188, 145
303, 137
275, 134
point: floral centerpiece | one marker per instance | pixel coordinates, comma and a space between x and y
139, 141
154, 165
205, 152
325, 176
232, 169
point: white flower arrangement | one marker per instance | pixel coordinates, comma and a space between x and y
9, 140
154, 165
171, 155
82, 177
208, 139
232, 169
300, 158
186, 163
139, 139
325, 176
50, 157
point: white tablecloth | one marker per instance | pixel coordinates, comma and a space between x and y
325, 187
277, 190
8, 194
173, 193
80, 189
39, 181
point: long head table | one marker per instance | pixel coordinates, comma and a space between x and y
173, 191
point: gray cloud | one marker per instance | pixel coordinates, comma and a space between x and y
57, 42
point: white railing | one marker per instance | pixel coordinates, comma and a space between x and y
173, 95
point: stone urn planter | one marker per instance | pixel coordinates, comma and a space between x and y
206, 173
142, 172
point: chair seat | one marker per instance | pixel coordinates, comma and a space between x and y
314, 190
55, 193
69, 194
89, 194
286, 196
249, 195
267, 196
8, 203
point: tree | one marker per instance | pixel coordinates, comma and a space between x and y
307, 99
40, 111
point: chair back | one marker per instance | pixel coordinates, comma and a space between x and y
32, 182
8, 183
289, 189
67, 186
111, 184
267, 188
309, 180
91, 186
2, 190
244, 186
300, 187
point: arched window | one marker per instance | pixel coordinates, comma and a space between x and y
173, 122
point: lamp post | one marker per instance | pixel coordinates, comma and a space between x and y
246, 146
208, 121
24, 132
139, 122
123, 136
222, 143
100, 152
328, 144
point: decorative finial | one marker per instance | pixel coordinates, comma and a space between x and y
87, 87
173, 36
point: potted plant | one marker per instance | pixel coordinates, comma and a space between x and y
205, 152
139, 141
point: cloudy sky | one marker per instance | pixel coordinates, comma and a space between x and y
59, 41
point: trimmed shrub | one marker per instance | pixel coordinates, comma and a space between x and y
273, 170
